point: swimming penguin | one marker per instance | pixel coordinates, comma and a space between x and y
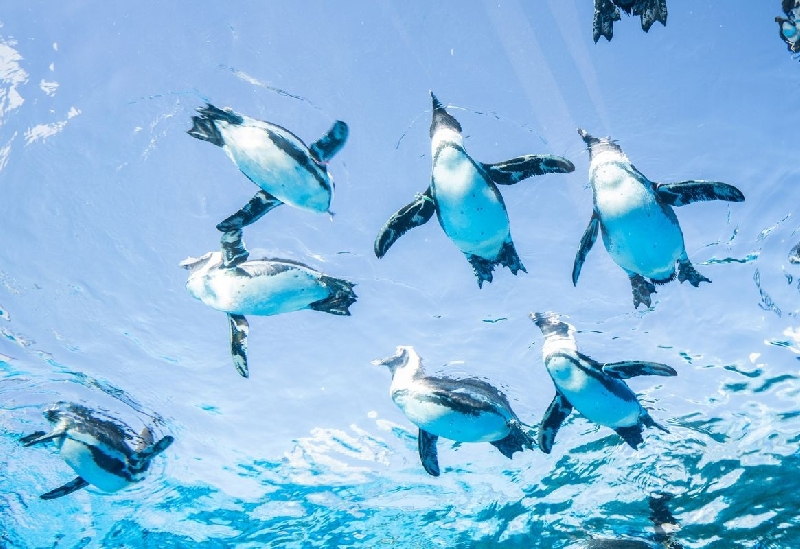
607, 11
594, 389
788, 26
640, 230
273, 158
464, 410
464, 195
261, 287
664, 525
96, 449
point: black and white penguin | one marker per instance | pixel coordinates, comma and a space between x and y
464, 410
464, 195
273, 158
96, 448
664, 526
640, 229
607, 11
594, 389
262, 287
788, 26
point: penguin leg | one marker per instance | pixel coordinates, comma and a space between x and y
555, 415
632, 368
239, 330
642, 290
648, 421
794, 255
687, 192
340, 298
508, 258
254, 210
412, 215
651, 11
329, 144
65, 490
632, 435
515, 170
482, 267
686, 271
517, 440
587, 241
428, 455
605, 13
233, 250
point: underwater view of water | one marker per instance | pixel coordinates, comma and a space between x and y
104, 195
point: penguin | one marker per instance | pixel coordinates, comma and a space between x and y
464, 195
640, 229
794, 254
262, 287
594, 389
607, 11
96, 449
789, 32
287, 170
664, 526
464, 410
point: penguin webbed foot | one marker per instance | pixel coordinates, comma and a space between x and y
342, 296
517, 440
632, 435
482, 267
686, 271
650, 12
794, 255
642, 289
605, 13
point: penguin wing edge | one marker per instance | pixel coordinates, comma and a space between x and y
587, 241
633, 368
428, 455
686, 192
65, 490
555, 415
412, 215
515, 170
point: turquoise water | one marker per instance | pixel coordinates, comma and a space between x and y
104, 194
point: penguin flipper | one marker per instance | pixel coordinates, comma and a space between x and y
517, 440
794, 255
555, 415
259, 205
632, 435
67, 489
642, 289
239, 330
686, 192
342, 296
412, 215
605, 13
331, 143
587, 241
426, 443
515, 170
154, 449
233, 249
633, 368
651, 11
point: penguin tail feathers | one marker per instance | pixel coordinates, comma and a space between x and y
204, 127
340, 298
516, 441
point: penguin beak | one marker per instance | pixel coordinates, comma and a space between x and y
392, 362
549, 324
437, 105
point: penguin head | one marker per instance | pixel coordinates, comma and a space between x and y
203, 263
442, 118
404, 354
597, 145
60, 411
550, 325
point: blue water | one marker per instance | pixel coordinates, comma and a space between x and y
103, 194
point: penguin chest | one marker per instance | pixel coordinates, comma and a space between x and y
440, 416
469, 206
641, 235
601, 399
279, 163
98, 465
284, 291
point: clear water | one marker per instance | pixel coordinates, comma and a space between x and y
103, 194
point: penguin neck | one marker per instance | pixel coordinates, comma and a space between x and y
558, 343
445, 136
404, 376
605, 155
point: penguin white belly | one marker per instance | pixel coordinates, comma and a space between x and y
640, 235
449, 423
594, 399
79, 457
469, 210
290, 290
272, 169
